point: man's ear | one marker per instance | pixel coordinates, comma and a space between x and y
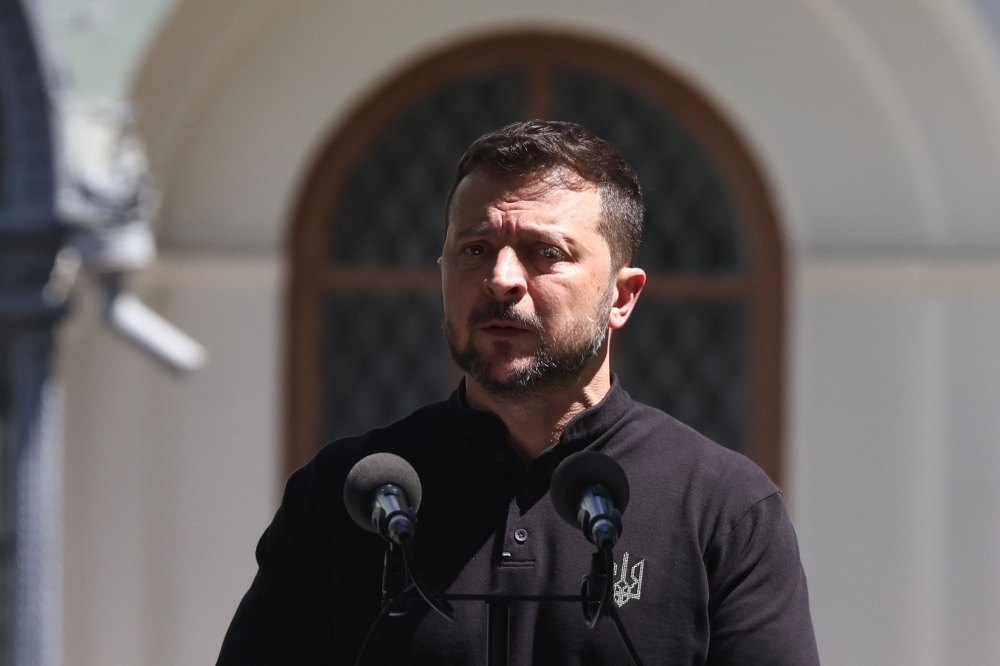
628, 284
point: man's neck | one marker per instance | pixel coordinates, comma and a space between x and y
536, 421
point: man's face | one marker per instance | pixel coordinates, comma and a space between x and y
527, 281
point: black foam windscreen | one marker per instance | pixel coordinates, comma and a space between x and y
580, 471
369, 474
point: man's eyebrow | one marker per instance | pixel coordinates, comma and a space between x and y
476, 230
528, 232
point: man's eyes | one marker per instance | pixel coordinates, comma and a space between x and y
552, 253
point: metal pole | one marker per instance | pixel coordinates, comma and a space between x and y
498, 633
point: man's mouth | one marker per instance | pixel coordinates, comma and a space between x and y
501, 321
503, 329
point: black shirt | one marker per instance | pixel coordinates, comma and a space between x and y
707, 568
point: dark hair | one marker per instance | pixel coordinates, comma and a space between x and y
542, 146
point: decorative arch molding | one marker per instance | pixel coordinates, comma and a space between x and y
232, 112
537, 53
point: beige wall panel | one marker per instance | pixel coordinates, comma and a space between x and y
171, 479
895, 403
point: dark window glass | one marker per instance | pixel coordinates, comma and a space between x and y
385, 357
385, 352
391, 210
689, 359
691, 222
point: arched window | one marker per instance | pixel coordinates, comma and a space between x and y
365, 340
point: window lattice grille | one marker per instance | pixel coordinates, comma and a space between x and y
385, 354
391, 211
686, 359
691, 223
385, 357
690, 361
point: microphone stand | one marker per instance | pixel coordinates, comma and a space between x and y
394, 578
595, 597
596, 605
497, 632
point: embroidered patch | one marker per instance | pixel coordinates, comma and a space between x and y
629, 584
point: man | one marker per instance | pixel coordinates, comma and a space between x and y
542, 225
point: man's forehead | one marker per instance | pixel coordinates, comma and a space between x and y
555, 197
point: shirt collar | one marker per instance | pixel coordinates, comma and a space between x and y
488, 432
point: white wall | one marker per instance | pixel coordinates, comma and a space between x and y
877, 124
171, 479
896, 424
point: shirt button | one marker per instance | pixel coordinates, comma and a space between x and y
521, 535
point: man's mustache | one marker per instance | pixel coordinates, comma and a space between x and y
504, 311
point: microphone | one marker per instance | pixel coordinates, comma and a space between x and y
590, 490
382, 494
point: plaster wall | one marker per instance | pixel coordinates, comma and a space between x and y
876, 123
170, 480
894, 381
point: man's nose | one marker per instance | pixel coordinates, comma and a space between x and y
507, 280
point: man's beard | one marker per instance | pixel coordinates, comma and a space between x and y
550, 368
